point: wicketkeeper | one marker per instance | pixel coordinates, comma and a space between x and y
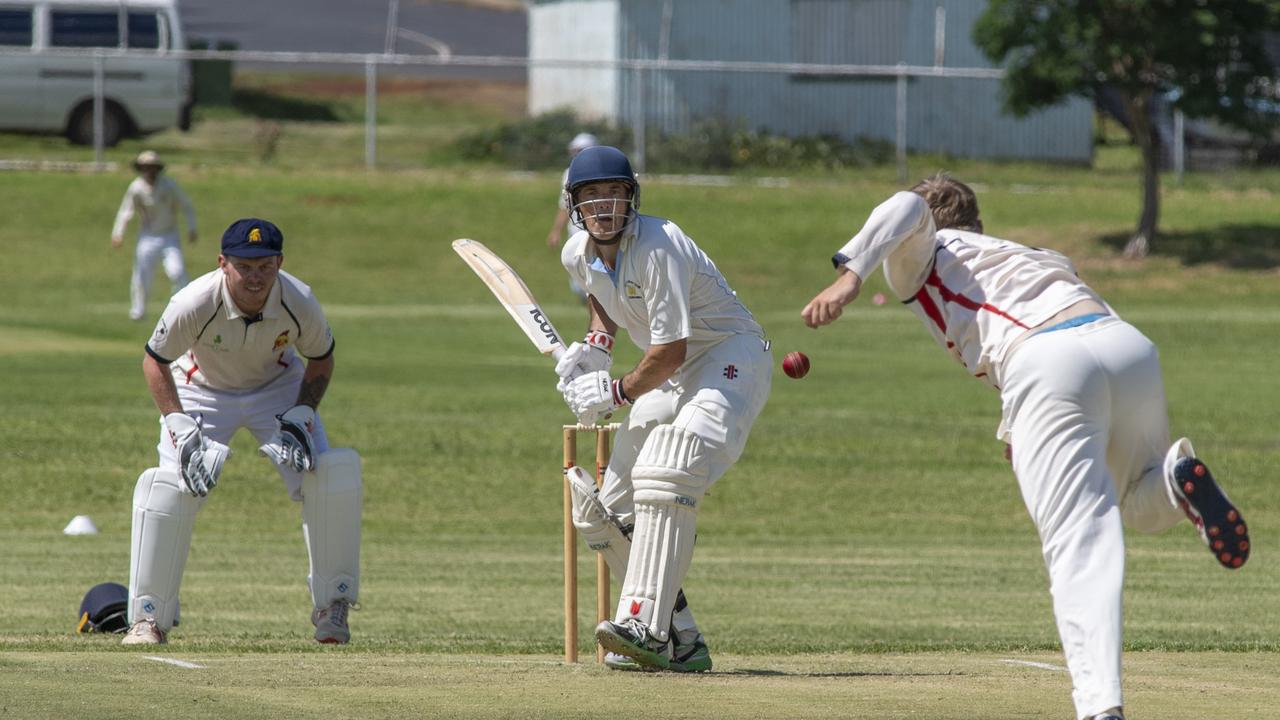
703, 379
1083, 401
228, 354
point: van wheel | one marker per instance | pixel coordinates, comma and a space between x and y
114, 124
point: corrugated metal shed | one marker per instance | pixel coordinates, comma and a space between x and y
958, 116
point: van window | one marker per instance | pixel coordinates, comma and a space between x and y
15, 28
84, 29
144, 30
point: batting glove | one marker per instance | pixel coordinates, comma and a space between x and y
594, 353
292, 445
593, 395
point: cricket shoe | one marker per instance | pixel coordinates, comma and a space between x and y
694, 657
631, 639
331, 623
614, 661
144, 632
1220, 524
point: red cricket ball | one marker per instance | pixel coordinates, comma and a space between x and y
795, 365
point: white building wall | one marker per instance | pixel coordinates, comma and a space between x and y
574, 30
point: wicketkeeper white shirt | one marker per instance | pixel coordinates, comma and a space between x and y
209, 342
156, 207
976, 294
663, 287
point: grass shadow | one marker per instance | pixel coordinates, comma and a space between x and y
763, 672
270, 106
1245, 247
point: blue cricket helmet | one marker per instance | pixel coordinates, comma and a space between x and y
105, 609
602, 163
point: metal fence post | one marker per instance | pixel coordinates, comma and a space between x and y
1179, 146
902, 123
370, 112
99, 107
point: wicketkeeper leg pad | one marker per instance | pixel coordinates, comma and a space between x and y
602, 530
670, 477
332, 496
164, 516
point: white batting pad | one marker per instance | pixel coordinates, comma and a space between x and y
670, 476
331, 502
163, 519
597, 526
662, 549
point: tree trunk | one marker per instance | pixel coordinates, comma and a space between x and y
1143, 133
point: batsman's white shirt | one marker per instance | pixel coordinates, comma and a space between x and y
156, 206
976, 294
210, 343
663, 288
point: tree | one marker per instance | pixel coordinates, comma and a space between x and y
1206, 56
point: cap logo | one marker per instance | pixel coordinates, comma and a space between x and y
255, 235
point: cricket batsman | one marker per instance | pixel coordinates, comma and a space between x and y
1084, 414
703, 379
226, 354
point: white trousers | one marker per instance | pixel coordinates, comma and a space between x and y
717, 397
223, 412
152, 249
1090, 430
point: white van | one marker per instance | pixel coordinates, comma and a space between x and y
44, 92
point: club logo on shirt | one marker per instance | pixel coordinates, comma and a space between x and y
632, 288
255, 235
731, 371
161, 330
281, 340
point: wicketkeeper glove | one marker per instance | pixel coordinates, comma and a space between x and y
292, 445
594, 353
200, 460
594, 395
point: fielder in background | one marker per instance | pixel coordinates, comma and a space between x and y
695, 393
565, 217
227, 354
156, 199
1084, 414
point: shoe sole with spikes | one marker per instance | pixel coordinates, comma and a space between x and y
1218, 521
614, 642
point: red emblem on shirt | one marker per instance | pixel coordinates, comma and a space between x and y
281, 340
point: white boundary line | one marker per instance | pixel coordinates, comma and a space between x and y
1029, 663
171, 661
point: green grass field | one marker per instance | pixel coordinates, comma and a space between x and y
868, 557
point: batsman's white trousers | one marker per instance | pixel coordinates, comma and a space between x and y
152, 249
222, 412
716, 397
1090, 430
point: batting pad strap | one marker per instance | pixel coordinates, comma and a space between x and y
599, 528
164, 516
332, 497
662, 548
673, 467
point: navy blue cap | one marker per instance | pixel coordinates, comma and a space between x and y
252, 238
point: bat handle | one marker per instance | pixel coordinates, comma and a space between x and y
557, 352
